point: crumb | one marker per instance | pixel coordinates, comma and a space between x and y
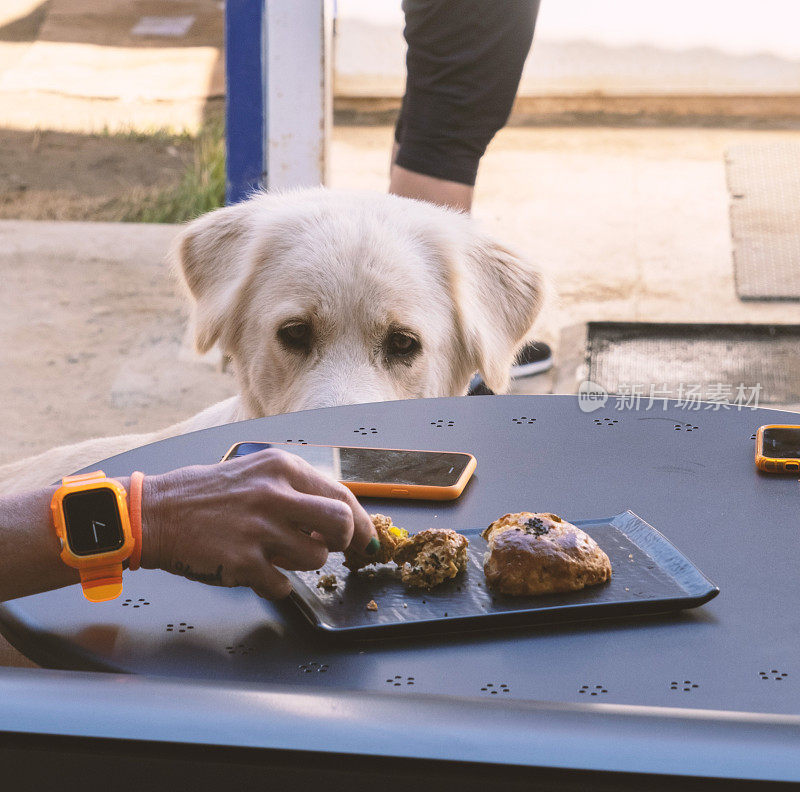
626, 588
372, 605
405, 604
630, 556
327, 582
445, 613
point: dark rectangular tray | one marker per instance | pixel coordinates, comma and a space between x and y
650, 575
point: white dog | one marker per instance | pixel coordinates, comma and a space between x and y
322, 297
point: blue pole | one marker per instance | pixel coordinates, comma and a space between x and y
245, 106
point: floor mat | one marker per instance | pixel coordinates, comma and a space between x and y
707, 362
764, 184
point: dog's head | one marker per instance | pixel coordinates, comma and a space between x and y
324, 298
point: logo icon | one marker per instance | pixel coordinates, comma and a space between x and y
591, 396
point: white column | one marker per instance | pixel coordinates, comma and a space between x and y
298, 92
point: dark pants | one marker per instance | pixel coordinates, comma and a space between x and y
464, 63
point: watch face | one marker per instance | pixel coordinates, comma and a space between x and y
93, 524
782, 442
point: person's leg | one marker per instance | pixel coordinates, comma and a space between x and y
428, 188
464, 62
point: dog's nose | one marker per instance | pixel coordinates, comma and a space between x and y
337, 393
342, 398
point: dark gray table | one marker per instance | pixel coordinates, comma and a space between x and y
689, 473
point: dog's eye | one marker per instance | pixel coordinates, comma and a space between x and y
402, 345
296, 336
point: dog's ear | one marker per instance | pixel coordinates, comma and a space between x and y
498, 296
211, 254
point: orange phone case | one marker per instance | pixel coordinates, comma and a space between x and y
772, 464
372, 489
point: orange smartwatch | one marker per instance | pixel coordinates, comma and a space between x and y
90, 514
778, 448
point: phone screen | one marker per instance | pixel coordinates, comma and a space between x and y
375, 465
782, 443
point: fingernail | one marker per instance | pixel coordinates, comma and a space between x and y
373, 546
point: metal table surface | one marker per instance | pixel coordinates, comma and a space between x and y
689, 473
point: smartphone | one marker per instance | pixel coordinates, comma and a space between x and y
778, 448
382, 472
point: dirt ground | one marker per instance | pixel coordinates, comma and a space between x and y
54, 76
47, 175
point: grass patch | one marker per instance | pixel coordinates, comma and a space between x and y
201, 189
149, 134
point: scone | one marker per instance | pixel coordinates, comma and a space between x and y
541, 554
389, 535
431, 557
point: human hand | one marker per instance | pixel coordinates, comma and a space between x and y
233, 523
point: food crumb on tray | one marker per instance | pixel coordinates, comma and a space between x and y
327, 582
372, 605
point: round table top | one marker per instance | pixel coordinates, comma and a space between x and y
689, 473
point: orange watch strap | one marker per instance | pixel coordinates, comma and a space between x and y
83, 477
101, 584
135, 515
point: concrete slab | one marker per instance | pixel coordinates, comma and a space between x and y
764, 183
92, 336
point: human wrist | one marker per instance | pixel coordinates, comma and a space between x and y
154, 522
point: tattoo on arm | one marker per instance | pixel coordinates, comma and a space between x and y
201, 577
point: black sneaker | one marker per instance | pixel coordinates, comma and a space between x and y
534, 358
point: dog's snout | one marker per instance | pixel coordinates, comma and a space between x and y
337, 385
337, 397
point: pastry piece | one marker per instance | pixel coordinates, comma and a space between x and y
532, 553
372, 605
389, 535
327, 582
431, 557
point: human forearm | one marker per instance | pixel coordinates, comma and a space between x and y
231, 524
30, 560
29, 551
